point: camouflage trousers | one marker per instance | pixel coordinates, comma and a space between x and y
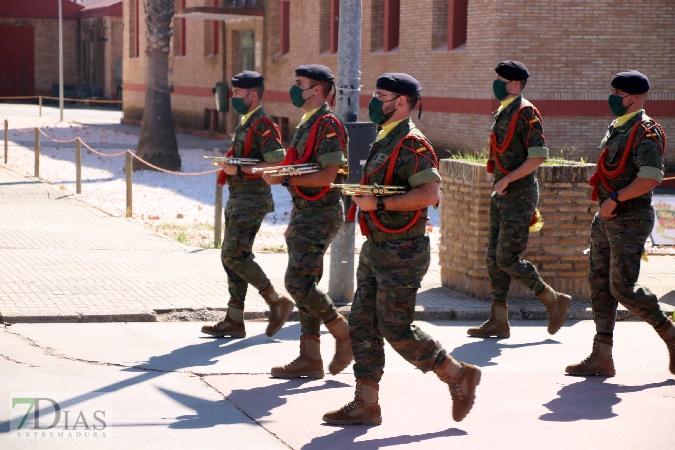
388, 277
510, 216
616, 249
310, 232
243, 218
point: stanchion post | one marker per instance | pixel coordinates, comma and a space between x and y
128, 174
78, 166
40, 103
218, 219
6, 137
37, 152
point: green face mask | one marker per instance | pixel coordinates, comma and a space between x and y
616, 105
296, 95
499, 89
375, 113
240, 106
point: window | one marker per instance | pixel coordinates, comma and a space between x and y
179, 32
282, 123
457, 23
285, 30
334, 25
211, 37
329, 23
246, 50
392, 18
133, 29
439, 25
384, 27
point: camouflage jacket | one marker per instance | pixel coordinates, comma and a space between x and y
414, 166
266, 146
328, 153
646, 158
528, 140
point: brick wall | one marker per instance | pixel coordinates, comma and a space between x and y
572, 49
556, 250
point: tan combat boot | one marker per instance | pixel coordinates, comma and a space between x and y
598, 363
280, 308
339, 328
233, 324
462, 379
667, 333
496, 326
556, 305
308, 364
363, 410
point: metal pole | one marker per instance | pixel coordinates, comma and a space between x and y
78, 166
60, 63
218, 219
128, 171
341, 279
40, 103
37, 152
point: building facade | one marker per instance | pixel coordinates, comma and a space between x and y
572, 49
92, 48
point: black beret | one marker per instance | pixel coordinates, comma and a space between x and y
512, 70
314, 72
247, 80
631, 82
401, 83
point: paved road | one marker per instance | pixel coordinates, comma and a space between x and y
164, 386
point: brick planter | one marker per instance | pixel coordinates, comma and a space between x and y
556, 250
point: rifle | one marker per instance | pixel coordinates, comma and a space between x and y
369, 189
221, 160
282, 171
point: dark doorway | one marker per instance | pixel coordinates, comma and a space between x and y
17, 77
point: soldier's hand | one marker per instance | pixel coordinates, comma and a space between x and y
501, 185
607, 209
365, 202
272, 180
229, 169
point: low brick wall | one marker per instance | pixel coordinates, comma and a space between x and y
556, 250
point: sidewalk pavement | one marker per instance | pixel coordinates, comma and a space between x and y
64, 261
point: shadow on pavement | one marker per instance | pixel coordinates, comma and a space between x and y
345, 438
483, 351
591, 399
260, 401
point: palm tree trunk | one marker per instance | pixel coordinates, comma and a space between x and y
157, 141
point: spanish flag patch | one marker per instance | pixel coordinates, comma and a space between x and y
536, 119
421, 149
331, 135
266, 132
651, 135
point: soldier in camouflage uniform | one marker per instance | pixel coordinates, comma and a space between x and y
629, 168
395, 258
517, 148
249, 201
315, 220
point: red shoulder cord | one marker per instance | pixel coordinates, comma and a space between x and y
311, 146
273, 133
497, 149
603, 172
351, 214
